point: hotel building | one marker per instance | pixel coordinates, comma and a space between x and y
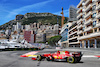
89, 23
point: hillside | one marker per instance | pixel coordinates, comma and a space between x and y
28, 18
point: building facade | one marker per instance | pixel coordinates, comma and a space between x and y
72, 14
64, 34
29, 36
73, 36
89, 23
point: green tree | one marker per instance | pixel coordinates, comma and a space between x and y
53, 40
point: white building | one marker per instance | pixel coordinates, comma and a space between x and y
89, 23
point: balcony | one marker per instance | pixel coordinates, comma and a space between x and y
79, 26
72, 38
89, 21
80, 3
72, 33
98, 7
74, 43
87, 29
88, 7
79, 10
89, 36
72, 28
88, 14
79, 32
87, 1
83, 10
98, 0
98, 15
79, 15
98, 25
79, 20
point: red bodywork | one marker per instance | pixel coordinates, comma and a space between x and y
60, 55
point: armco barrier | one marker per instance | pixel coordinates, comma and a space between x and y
19, 49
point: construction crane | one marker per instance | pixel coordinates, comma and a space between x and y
63, 18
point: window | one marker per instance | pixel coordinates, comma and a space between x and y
99, 29
83, 28
84, 21
84, 33
83, 2
95, 30
94, 23
93, 8
67, 25
83, 15
93, 0
94, 14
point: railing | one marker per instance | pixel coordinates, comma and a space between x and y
89, 13
89, 28
80, 3
80, 14
79, 32
79, 26
89, 6
98, 7
87, 1
98, 15
79, 20
72, 33
98, 25
87, 22
79, 10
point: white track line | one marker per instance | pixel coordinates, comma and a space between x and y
88, 56
91, 56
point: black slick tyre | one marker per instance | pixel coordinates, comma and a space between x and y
39, 57
70, 60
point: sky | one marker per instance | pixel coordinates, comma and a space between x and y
10, 8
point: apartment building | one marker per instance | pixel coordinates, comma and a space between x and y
72, 36
64, 34
89, 23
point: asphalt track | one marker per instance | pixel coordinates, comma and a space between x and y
13, 59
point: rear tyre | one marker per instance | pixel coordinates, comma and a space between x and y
52, 58
70, 60
39, 57
48, 58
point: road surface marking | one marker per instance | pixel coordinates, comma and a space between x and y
30, 54
89, 56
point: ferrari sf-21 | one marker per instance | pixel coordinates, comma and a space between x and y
71, 57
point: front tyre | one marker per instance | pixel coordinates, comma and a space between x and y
70, 60
39, 57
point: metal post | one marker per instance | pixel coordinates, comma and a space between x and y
80, 44
95, 43
88, 44
84, 44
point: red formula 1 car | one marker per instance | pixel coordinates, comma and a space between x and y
71, 57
